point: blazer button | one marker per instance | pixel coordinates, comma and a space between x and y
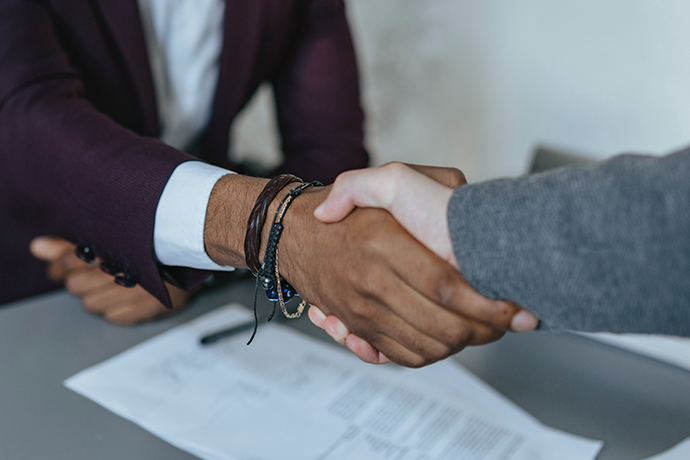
125, 279
85, 253
111, 268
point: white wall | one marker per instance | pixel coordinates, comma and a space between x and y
478, 83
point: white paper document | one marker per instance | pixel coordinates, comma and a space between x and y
289, 396
680, 452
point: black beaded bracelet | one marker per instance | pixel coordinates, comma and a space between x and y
278, 290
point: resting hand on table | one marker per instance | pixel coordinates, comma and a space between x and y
418, 197
98, 293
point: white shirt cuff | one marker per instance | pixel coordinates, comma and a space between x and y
178, 233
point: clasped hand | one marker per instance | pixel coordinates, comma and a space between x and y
441, 313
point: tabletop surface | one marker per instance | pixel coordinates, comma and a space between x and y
637, 406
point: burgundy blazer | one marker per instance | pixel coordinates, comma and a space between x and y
79, 155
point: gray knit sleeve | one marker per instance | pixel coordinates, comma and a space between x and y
599, 248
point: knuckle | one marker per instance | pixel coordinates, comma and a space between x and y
90, 304
447, 286
373, 286
340, 181
150, 309
366, 314
456, 178
392, 166
395, 169
439, 352
491, 337
459, 335
70, 262
375, 244
500, 313
73, 285
358, 311
417, 361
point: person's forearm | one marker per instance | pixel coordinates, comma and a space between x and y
602, 248
229, 206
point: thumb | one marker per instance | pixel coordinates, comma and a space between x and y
49, 248
366, 188
337, 205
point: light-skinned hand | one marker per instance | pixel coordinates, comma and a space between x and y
96, 289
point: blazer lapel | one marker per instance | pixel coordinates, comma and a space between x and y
123, 19
242, 34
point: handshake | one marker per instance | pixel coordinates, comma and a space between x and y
439, 313
371, 254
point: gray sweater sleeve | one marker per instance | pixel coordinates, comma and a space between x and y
599, 248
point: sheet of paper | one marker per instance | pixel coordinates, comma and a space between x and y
680, 452
290, 396
674, 350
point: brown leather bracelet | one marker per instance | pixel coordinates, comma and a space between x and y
257, 219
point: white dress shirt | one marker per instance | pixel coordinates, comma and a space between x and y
184, 40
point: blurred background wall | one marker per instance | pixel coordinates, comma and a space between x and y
478, 84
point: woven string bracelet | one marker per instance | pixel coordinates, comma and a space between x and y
277, 288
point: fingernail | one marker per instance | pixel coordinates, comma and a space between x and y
317, 314
318, 209
524, 321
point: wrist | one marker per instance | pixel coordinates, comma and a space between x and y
300, 233
227, 213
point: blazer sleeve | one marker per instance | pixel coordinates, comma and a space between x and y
600, 248
67, 168
317, 96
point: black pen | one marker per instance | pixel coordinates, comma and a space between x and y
229, 332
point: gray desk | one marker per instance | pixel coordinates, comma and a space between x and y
638, 406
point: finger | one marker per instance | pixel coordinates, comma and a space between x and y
143, 309
110, 297
389, 305
398, 353
411, 343
178, 297
383, 359
450, 177
316, 316
66, 265
444, 286
336, 329
364, 351
413, 296
482, 334
360, 347
88, 279
49, 248
363, 188
524, 321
